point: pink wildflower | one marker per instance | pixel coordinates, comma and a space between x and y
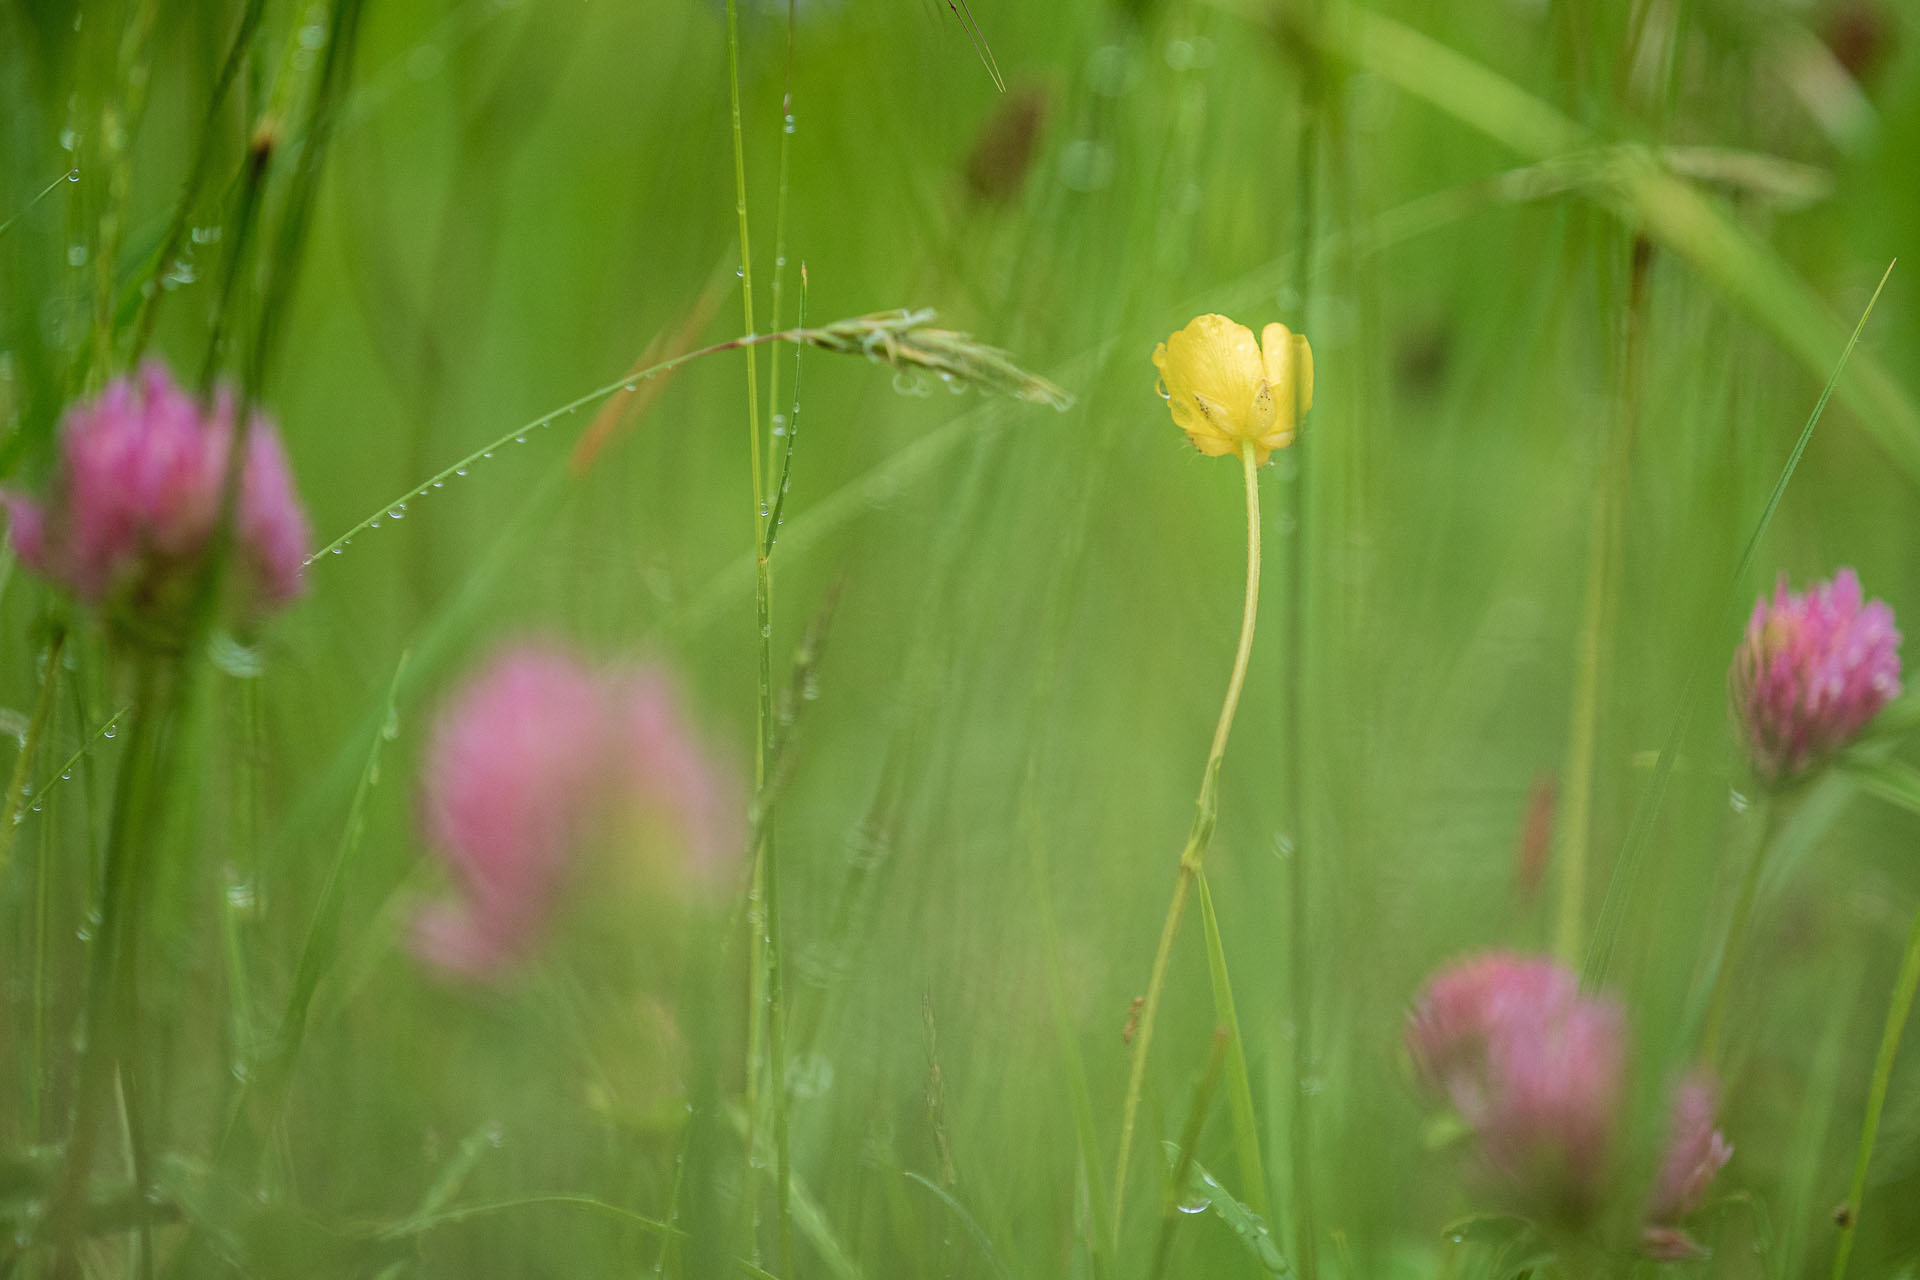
665, 771
1533, 1067
537, 757
1696, 1152
137, 492
514, 778
1812, 670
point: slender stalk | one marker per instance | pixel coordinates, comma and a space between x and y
1293, 727
766, 879
1206, 809
1591, 652
1897, 1010
774, 419
107, 976
1735, 940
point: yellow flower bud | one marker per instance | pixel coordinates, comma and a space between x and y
1224, 388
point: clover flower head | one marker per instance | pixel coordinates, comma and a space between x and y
512, 784
539, 761
1531, 1066
1696, 1152
136, 494
1812, 670
1226, 390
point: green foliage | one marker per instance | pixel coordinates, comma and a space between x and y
1575, 274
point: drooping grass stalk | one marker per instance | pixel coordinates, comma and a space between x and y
1898, 1008
71, 175
106, 1007
1206, 810
764, 914
1736, 937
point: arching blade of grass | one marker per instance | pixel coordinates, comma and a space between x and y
1246, 1128
1669, 209
1626, 870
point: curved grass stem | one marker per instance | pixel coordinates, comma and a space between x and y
1205, 811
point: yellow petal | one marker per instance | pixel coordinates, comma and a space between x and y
1216, 358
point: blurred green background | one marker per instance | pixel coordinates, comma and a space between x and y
1555, 257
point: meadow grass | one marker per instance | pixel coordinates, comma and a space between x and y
1605, 340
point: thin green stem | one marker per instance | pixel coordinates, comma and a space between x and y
1897, 1010
779, 252
1737, 927
107, 977
1206, 809
1604, 557
1293, 728
766, 880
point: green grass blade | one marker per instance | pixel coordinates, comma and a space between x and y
1246, 1127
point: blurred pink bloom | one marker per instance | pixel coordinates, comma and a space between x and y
1696, 1152
514, 777
664, 770
137, 491
1812, 670
1533, 1067
531, 761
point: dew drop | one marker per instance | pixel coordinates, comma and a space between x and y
374, 523
520, 439
336, 551
459, 471
398, 513
73, 175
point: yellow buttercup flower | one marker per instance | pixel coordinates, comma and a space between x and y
1225, 389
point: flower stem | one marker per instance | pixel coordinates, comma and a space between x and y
1205, 811
1897, 1010
108, 1011
1735, 940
